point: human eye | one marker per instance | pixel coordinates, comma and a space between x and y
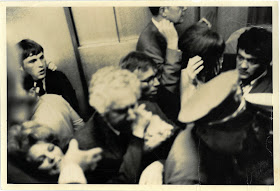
42, 57
32, 61
239, 57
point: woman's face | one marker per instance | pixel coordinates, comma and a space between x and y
48, 155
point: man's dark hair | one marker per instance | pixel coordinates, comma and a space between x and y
29, 47
154, 10
199, 40
257, 42
137, 60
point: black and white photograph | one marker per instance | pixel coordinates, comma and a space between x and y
140, 95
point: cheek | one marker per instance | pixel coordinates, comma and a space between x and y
45, 165
253, 69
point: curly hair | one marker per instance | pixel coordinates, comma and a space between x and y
109, 84
22, 137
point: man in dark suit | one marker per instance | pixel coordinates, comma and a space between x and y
39, 79
253, 60
159, 40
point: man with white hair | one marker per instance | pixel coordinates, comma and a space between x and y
119, 126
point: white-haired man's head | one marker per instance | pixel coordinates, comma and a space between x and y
114, 93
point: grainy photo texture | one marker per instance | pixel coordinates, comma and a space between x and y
143, 95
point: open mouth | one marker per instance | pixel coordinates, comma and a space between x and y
41, 72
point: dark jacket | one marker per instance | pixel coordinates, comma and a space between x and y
190, 161
56, 83
122, 154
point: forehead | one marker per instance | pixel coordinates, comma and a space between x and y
147, 74
245, 55
31, 57
37, 150
123, 99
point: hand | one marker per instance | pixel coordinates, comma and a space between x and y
33, 92
193, 68
157, 132
87, 160
204, 20
51, 66
167, 29
142, 119
152, 174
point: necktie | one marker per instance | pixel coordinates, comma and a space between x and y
40, 86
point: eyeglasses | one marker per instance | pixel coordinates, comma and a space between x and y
152, 79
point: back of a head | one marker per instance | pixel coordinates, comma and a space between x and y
137, 60
199, 40
110, 85
29, 47
257, 42
154, 10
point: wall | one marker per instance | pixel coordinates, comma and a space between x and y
119, 29
48, 27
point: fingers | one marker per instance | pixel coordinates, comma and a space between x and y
73, 145
199, 69
52, 66
96, 154
141, 107
30, 124
195, 61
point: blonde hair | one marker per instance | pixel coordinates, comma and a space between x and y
108, 83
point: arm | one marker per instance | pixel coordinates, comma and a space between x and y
76, 162
188, 78
77, 121
153, 174
129, 171
171, 67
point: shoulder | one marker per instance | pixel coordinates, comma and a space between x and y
263, 85
148, 34
53, 98
55, 73
86, 135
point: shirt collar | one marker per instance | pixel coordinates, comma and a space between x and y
112, 128
255, 80
43, 81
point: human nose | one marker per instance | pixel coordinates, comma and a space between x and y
244, 64
156, 81
40, 63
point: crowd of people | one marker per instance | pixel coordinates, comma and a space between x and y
169, 113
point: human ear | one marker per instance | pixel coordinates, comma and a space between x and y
162, 11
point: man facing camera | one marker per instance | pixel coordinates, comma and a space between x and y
253, 60
39, 79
